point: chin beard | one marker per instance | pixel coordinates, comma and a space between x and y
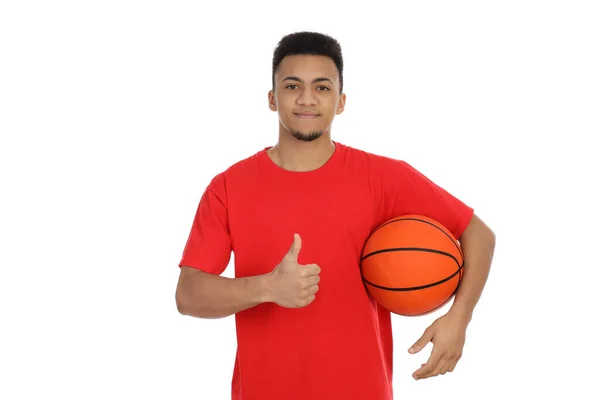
306, 137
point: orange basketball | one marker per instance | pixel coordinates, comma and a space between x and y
412, 265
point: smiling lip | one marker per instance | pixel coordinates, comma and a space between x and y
306, 116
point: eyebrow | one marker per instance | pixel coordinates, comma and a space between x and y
295, 78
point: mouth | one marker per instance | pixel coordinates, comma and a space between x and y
306, 116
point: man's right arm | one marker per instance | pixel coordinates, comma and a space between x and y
204, 295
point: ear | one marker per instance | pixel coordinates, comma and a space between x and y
272, 103
341, 104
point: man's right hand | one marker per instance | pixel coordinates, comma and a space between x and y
292, 285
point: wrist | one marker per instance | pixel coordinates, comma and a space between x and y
265, 292
460, 314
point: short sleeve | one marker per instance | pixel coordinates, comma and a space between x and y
408, 191
208, 247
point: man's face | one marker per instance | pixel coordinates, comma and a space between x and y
307, 95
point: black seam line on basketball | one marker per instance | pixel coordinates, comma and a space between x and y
410, 249
426, 222
407, 289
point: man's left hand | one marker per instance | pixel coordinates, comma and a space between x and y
447, 334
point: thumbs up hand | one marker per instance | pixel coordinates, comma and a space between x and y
293, 285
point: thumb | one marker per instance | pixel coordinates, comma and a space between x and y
422, 342
295, 248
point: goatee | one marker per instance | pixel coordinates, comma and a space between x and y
306, 137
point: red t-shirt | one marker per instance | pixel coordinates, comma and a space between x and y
340, 345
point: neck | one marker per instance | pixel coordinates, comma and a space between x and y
296, 155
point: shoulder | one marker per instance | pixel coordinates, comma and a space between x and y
384, 171
237, 172
375, 162
243, 166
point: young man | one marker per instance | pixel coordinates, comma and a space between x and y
297, 215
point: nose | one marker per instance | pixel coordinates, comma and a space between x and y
306, 97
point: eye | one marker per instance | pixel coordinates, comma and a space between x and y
325, 88
288, 86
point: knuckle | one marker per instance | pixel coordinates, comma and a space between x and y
305, 300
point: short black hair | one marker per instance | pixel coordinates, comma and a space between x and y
312, 43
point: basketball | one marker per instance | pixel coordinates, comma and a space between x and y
412, 265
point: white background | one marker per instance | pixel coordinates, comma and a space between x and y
115, 115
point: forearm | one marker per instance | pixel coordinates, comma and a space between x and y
211, 296
477, 243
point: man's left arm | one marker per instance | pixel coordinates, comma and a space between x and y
448, 332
